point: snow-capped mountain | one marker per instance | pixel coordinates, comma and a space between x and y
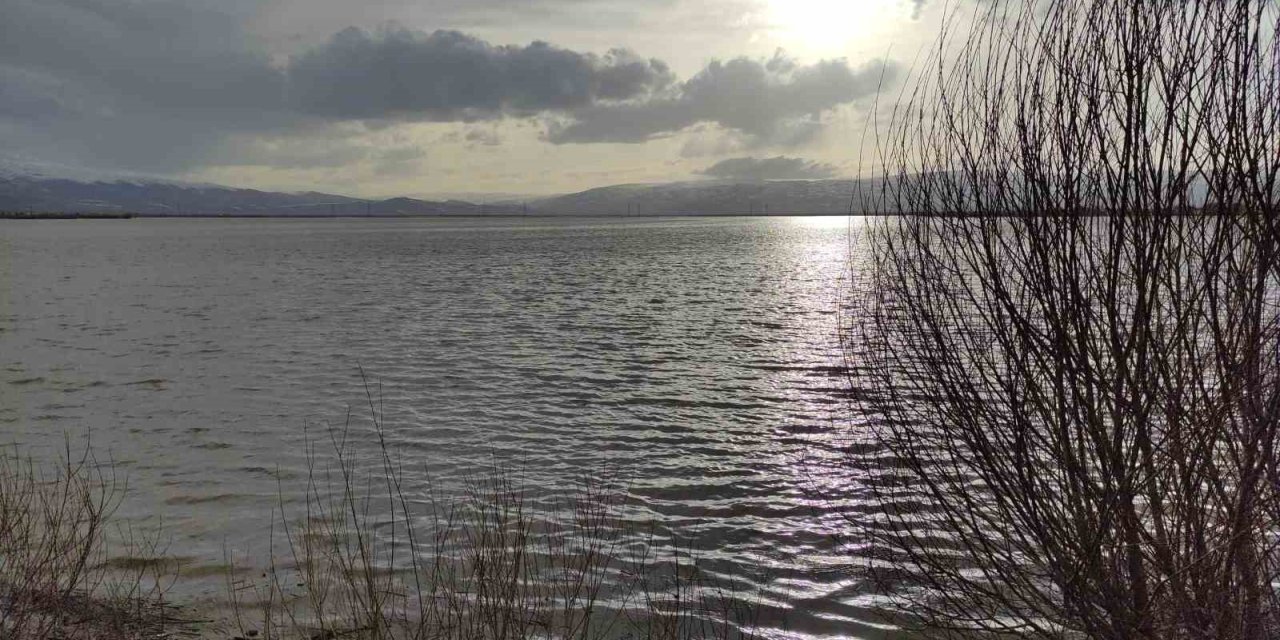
49, 188
780, 197
33, 187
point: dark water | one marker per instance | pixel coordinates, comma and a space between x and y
696, 357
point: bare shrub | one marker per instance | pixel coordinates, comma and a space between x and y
1069, 328
55, 580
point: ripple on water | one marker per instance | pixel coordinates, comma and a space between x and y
697, 358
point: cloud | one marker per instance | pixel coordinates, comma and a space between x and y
149, 86
174, 85
27, 95
703, 141
184, 55
485, 137
775, 101
776, 168
189, 55
450, 76
171, 86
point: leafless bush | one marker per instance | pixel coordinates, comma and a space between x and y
365, 557
55, 580
1070, 329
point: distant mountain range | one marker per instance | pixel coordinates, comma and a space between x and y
38, 192
774, 197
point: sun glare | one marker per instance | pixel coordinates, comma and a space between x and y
831, 28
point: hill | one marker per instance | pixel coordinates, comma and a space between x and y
25, 190
29, 191
774, 197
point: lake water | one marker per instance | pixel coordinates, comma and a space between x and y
696, 357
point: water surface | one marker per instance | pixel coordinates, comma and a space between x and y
697, 357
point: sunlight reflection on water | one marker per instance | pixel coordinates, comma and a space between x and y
696, 357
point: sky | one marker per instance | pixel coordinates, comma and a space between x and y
428, 97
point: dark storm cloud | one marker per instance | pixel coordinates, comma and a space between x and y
167, 85
151, 86
775, 101
25, 95
161, 54
448, 76
186, 55
171, 85
776, 168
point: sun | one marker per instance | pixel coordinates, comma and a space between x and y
830, 28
